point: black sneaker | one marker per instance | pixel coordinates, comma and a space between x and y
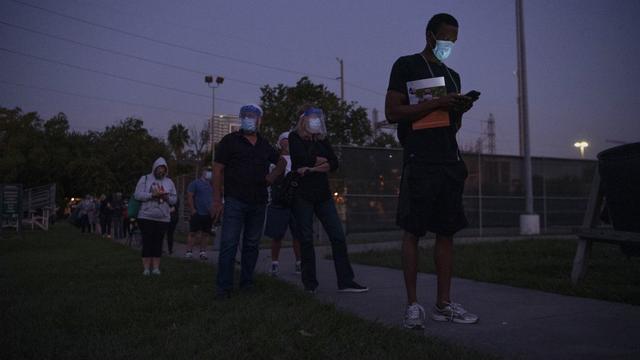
354, 287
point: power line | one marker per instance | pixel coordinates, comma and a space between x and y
167, 43
103, 99
120, 53
208, 32
179, 25
115, 75
364, 88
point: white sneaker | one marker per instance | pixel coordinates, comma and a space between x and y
146, 272
188, 255
155, 271
203, 256
453, 312
414, 317
275, 268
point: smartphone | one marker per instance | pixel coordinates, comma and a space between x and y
473, 94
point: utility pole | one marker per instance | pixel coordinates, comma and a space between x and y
341, 78
491, 135
376, 126
529, 222
479, 150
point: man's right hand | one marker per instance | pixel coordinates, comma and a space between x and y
452, 101
218, 209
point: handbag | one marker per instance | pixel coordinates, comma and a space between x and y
286, 190
133, 207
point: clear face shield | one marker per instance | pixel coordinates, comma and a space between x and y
314, 121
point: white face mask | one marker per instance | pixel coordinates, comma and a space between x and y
208, 175
314, 125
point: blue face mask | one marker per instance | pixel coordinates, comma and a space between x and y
442, 49
248, 124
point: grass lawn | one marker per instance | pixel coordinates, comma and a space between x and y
536, 264
68, 296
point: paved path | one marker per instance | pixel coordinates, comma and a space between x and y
514, 322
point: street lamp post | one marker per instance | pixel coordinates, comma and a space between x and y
529, 221
581, 145
210, 81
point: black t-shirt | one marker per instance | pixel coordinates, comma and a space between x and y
313, 186
436, 145
246, 166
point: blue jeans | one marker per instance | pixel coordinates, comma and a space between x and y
238, 215
326, 212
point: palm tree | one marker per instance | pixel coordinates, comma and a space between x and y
178, 138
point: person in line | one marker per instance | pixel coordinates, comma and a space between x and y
433, 172
279, 215
242, 161
117, 204
86, 208
312, 157
157, 193
106, 215
200, 202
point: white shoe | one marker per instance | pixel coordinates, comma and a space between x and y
275, 268
146, 272
453, 312
188, 255
155, 271
414, 317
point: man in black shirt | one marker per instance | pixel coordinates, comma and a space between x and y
433, 174
242, 160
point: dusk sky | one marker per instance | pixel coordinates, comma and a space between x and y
583, 59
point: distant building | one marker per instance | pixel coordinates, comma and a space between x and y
220, 126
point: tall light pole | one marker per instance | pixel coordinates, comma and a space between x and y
218, 81
529, 221
581, 145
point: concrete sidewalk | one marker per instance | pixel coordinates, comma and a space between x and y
514, 322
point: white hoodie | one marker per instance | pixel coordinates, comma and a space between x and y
154, 209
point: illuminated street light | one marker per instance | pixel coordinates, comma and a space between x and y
581, 145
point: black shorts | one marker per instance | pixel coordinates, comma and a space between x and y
201, 223
278, 220
431, 198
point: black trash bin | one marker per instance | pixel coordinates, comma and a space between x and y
619, 169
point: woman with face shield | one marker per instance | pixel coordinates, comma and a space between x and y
312, 157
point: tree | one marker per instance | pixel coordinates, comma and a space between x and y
385, 140
347, 123
178, 138
198, 141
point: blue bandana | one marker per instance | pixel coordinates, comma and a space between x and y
314, 111
250, 109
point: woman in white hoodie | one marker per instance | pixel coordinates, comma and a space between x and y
157, 193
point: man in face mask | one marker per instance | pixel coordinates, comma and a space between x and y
242, 162
200, 203
433, 173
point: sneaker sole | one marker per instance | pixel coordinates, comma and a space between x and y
442, 318
413, 327
352, 290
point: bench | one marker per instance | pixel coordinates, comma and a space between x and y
590, 232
